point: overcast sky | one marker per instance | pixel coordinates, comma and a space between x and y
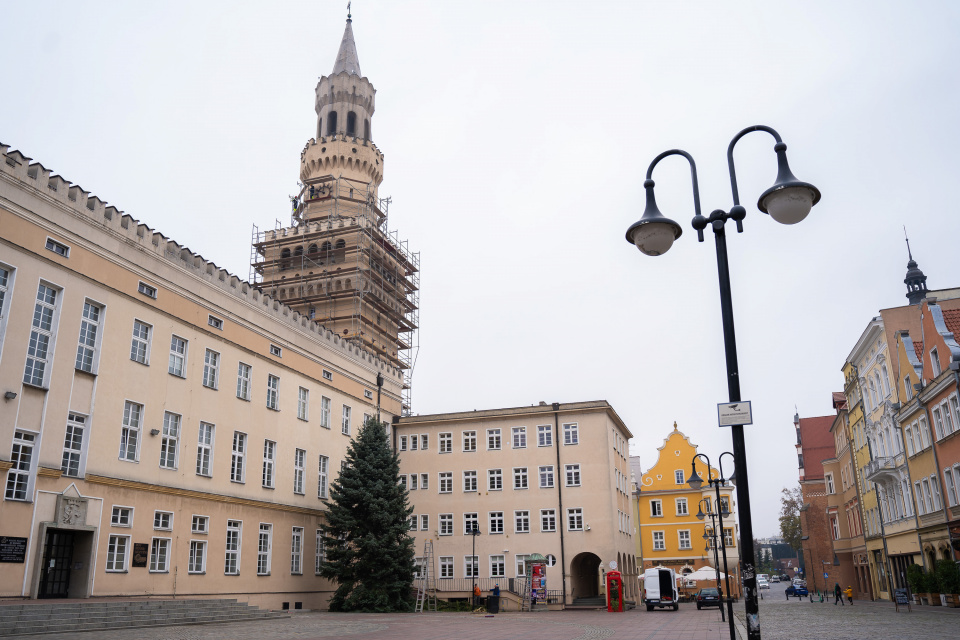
516, 137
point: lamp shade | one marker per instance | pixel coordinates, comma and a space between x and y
789, 200
653, 233
695, 480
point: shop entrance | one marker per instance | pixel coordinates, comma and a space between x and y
56, 565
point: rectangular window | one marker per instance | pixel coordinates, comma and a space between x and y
446, 524
5, 281
73, 445
303, 404
446, 442
243, 381
264, 547
575, 519
544, 435
121, 517
215, 322
231, 564
424, 523
573, 475
299, 468
327, 375
948, 426
546, 477
921, 507
368, 394
681, 504
949, 487
493, 439
828, 477
325, 412
204, 449
322, 482
117, 553
521, 521
21, 459
345, 426
160, 555
178, 355
145, 289
170, 441
140, 343
571, 433
424, 480
238, 457
725, 506
497, 566
470, 566
58, 248
446, 482
470, 523
414, 481
130, 431
519, 437
496, 521
469, 481
413, 443
446, 566
678, 476
296, 552
548, 520
469, 440
89, 334
197, 560
211, 369
684, 539
927, 495
403, 443
924, 432
659, 542
494, 480
938, 423
321, 552
403, 481
200, 524
276, 351
269, 463
41, 343
520, 478
163, 520
728, 538
656, 508
935, 486
908, 437
273, 393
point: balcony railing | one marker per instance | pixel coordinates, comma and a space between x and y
879, 467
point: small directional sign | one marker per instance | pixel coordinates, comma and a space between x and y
731, 413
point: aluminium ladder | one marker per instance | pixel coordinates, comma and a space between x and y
426, 581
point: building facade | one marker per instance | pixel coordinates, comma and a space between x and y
168, 429
671, 534
547, 479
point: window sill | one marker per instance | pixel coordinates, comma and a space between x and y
273, 408
129, 460
301, 420
116, 570
205, 475
241, 398
177, 375
206, 386
266, 487
84, 371
36, 386
159, 571
197, 573
238, 482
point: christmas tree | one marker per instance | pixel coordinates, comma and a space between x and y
369, 551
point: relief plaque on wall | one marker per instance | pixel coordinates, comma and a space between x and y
71, 512
141, 551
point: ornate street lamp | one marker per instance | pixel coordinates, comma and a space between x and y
707, 536
695, 482
788, 201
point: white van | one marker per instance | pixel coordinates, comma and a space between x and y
660, 589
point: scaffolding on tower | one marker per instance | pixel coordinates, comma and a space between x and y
339, 263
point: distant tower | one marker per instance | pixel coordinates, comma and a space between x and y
337, 262
916, 282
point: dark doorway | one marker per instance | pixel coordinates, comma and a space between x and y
584, 570
57, 560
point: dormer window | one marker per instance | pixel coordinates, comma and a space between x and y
934, 362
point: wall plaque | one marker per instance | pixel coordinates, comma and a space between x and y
141, 551
13, 549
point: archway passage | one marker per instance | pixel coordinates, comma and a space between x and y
584, 569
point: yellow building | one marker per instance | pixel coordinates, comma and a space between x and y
670, 533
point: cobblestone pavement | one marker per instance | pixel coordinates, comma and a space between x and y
781, 619
686, 624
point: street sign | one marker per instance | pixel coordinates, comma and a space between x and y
825, 575
731, 413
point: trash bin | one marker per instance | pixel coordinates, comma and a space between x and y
493, 604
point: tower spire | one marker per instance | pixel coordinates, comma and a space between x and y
916, 281
347, 56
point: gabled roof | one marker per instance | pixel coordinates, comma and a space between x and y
347, 59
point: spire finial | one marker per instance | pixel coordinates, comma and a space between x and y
910, 255
675, 426
348, 12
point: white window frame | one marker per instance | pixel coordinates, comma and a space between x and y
118, 545
200, 524
177, 362
831, 488
57, 247
681, 506
233, 548
518, 437
170, 440
469, 440
547, 480
495, 522
498, 566
121, 516
446, 442
471, 566
656, 508
571, 434
197, 557
544, 435
679, 477
43, 336
469, 481
321, 552
303, 404
684, 542
160, 555
548, 520
445, 482
215, 322
325, 406
265, 549
345, 426
521, 479
572, 473
130, 430
22, 473
299, 470
73, 460
276, 351
494, 440
90, 338
147, 290
163, 520
268, 479
446, 567
445, 524
424, 522
403, 443
575, 519
273, 392
323, 466
521, 521
424, 481
244, 380
296, 551
934, 362
140, 342
211, 369
494, 479
470, 520
659, 541
238, 458
7, 277
205, 449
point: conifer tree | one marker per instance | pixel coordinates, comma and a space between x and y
369, 551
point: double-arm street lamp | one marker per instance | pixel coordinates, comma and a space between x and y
788, 201
723, 511
708, 536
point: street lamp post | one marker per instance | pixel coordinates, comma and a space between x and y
475, 565
716, 560
788, 201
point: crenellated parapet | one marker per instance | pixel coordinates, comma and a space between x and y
82, 204
342, 156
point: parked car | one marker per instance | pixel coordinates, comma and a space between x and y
797, 590
660, 589
762, 584
799, 582
774, 578
708, 598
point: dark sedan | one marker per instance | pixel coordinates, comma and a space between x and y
708, 598
797, 590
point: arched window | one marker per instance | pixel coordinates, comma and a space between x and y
366, 129
873, 394
312, 249
340, 244
326, 246
298, 252
351, 124
284, 259
332, 123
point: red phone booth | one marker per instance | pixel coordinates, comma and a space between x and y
614, 591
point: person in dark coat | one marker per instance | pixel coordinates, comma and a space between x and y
837, 594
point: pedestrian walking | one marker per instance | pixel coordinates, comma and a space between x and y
837, 594
849, 592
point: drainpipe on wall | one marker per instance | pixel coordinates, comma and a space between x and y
560, 515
